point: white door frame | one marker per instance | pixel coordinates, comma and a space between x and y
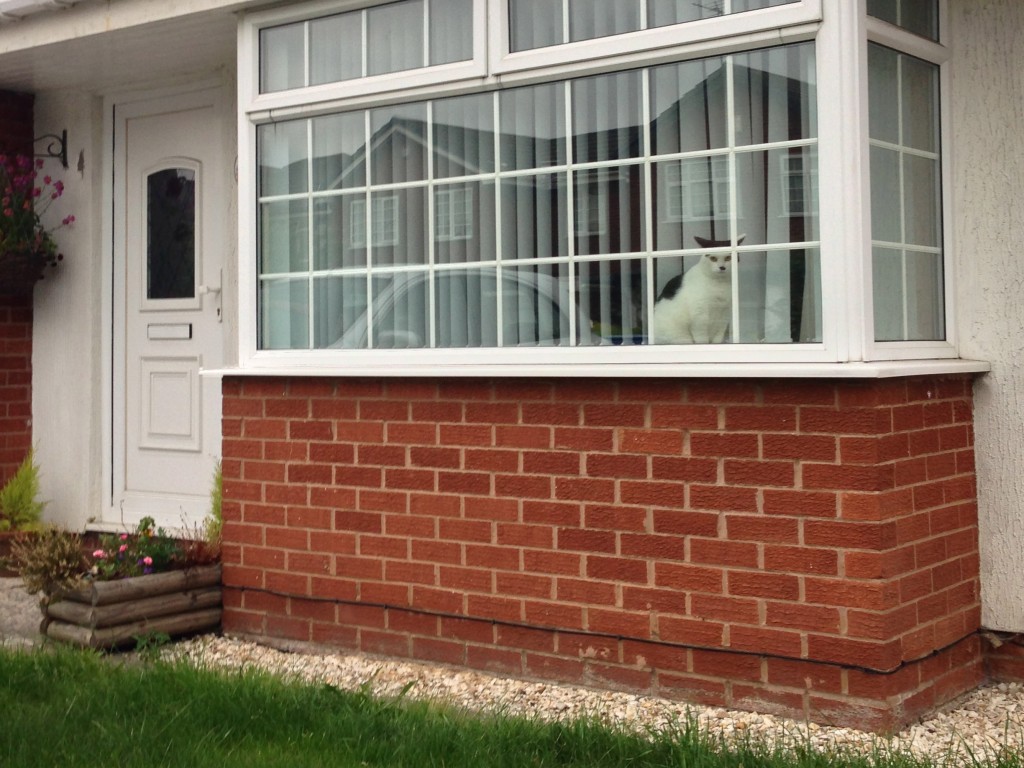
118, 108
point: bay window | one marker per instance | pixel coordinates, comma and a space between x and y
523, 181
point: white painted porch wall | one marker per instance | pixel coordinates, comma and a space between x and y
988, 225
67, 322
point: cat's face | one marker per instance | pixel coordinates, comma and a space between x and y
717, 263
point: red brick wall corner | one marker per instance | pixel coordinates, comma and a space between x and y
801, 547
15, 314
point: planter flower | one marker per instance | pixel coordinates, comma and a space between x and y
27, 247
131, 586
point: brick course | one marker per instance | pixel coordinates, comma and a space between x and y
802, 547
15, 315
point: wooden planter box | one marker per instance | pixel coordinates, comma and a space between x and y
109, 614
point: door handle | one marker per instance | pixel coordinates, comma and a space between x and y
216, 290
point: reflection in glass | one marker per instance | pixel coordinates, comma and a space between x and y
693, 197
398, 221
283, 158
609, 210
535, 306
395, 37
533, 127
171, 234
339, 312
338, 241
284, 314
282, 58
398, 138
284, 237
688, 107
777, 195
534, 217
918, 16
775, 95
779, 297
466, 308
400, 315
339, 151
463, 136
464, 223
336, 48
607, 115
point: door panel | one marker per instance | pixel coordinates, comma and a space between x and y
171, 237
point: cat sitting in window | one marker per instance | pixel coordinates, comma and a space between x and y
696, 307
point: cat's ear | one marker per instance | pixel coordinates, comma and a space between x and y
702, 242
740, 239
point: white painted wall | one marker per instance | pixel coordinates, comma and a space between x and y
67, 325
988, 223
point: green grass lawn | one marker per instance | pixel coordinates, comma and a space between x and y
63, 708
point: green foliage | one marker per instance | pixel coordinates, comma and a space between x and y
146, 550
73, 708
49, 560
20, 509
214, 524
149, 645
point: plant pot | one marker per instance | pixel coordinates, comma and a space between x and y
20, 271
111, 614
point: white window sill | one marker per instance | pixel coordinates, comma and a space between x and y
855, 370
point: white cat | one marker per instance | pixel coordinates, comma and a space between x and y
696, 307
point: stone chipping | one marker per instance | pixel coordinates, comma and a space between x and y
976, 726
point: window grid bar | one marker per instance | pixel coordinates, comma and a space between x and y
570, 193
310, 240
498, 228
730, 112
648, 175
368, 224
431, 228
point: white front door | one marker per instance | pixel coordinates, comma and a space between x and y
171, 219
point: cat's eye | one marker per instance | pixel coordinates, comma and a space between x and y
713, 259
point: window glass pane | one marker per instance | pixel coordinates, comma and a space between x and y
613, 302
283, 158
533, 127
451, 31
607, 117
535, 24
339, 312
688, 107
398, 221
466, 308
779, 297
920, 96
535, 306
464, 223
692, 200
400, 311
282, 57
886, 210
338, 241
171, 234
464, 136
534, 217
918, 16
395, 37
609, 210
398, 137
599, 18
284, 237
777, 195
539, 23
339, 151
336, 48
284, 314
884, 94
906, 202
775, 95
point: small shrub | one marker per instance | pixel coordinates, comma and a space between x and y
49, 561
20, 509
214, 524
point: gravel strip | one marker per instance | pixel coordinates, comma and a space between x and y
976, 726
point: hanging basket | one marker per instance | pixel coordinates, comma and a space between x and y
20, 271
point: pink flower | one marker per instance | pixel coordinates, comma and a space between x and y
99, 553
147, 560
122, 548
124, 537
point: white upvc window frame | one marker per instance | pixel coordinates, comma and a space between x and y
840, 30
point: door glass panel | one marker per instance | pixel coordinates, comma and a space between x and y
171, 234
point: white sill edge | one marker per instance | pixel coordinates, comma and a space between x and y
854, 370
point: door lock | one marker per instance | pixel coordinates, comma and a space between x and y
216, 290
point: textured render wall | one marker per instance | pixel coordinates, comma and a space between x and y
988, 224
15, 315
68, 332
794, 546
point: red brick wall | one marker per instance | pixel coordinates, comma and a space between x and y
804, 547
15, 315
